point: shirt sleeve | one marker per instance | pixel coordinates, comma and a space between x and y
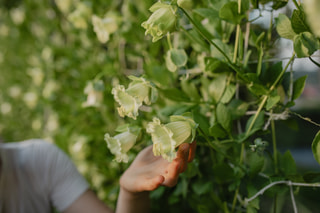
63, 183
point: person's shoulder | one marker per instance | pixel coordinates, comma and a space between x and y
30, 145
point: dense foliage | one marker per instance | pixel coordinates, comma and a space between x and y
83, 73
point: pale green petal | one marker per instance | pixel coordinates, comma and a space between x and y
115, 148
121, 143
162, 20
181, 131
129, 105
127, 140
142, 89
163, 143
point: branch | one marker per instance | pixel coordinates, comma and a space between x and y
289, 183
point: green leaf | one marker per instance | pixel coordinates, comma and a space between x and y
269, 76
298, 22
229, 13
178, 57
190, 89
215, 65
305, 44
298, 87
256, 162
277, 4
175, 95
287, 164
283, 26
316, 147
217, 87
224, 117
228, 93
208, 13
223, 173
217, 131
201, 187
237, 108
258, 124
272, 100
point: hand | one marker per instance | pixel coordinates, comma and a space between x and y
148, 172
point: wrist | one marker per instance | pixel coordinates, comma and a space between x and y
129, 195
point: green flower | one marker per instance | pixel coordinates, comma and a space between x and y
162, 20
121, 143
138, 92
166, 137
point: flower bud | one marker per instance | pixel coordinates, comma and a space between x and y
162, 20
121, 143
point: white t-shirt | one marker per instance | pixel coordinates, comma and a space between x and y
36, 176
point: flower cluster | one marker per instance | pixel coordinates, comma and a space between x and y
139, 91
166, 137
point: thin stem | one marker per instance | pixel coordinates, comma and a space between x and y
259, 66
205, 37
282, 72
296, 4
274, 143
313, 61
294, 205
257, 113
169, 41
236, 45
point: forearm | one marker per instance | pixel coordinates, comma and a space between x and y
133, 202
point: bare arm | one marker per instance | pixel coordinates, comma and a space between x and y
88, 202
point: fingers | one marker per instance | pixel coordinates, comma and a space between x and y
154, 183
172, 173
192, 151
182, 156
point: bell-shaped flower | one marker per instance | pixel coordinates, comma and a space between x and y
163, 20
129, 106
166, 137
94, 92
139, 91
121, 143
142, 89
104, 27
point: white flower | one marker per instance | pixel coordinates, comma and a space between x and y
166, 137
162, 20
104, 27
80, 16
121, 143
94, 91
129, 106
139, 91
